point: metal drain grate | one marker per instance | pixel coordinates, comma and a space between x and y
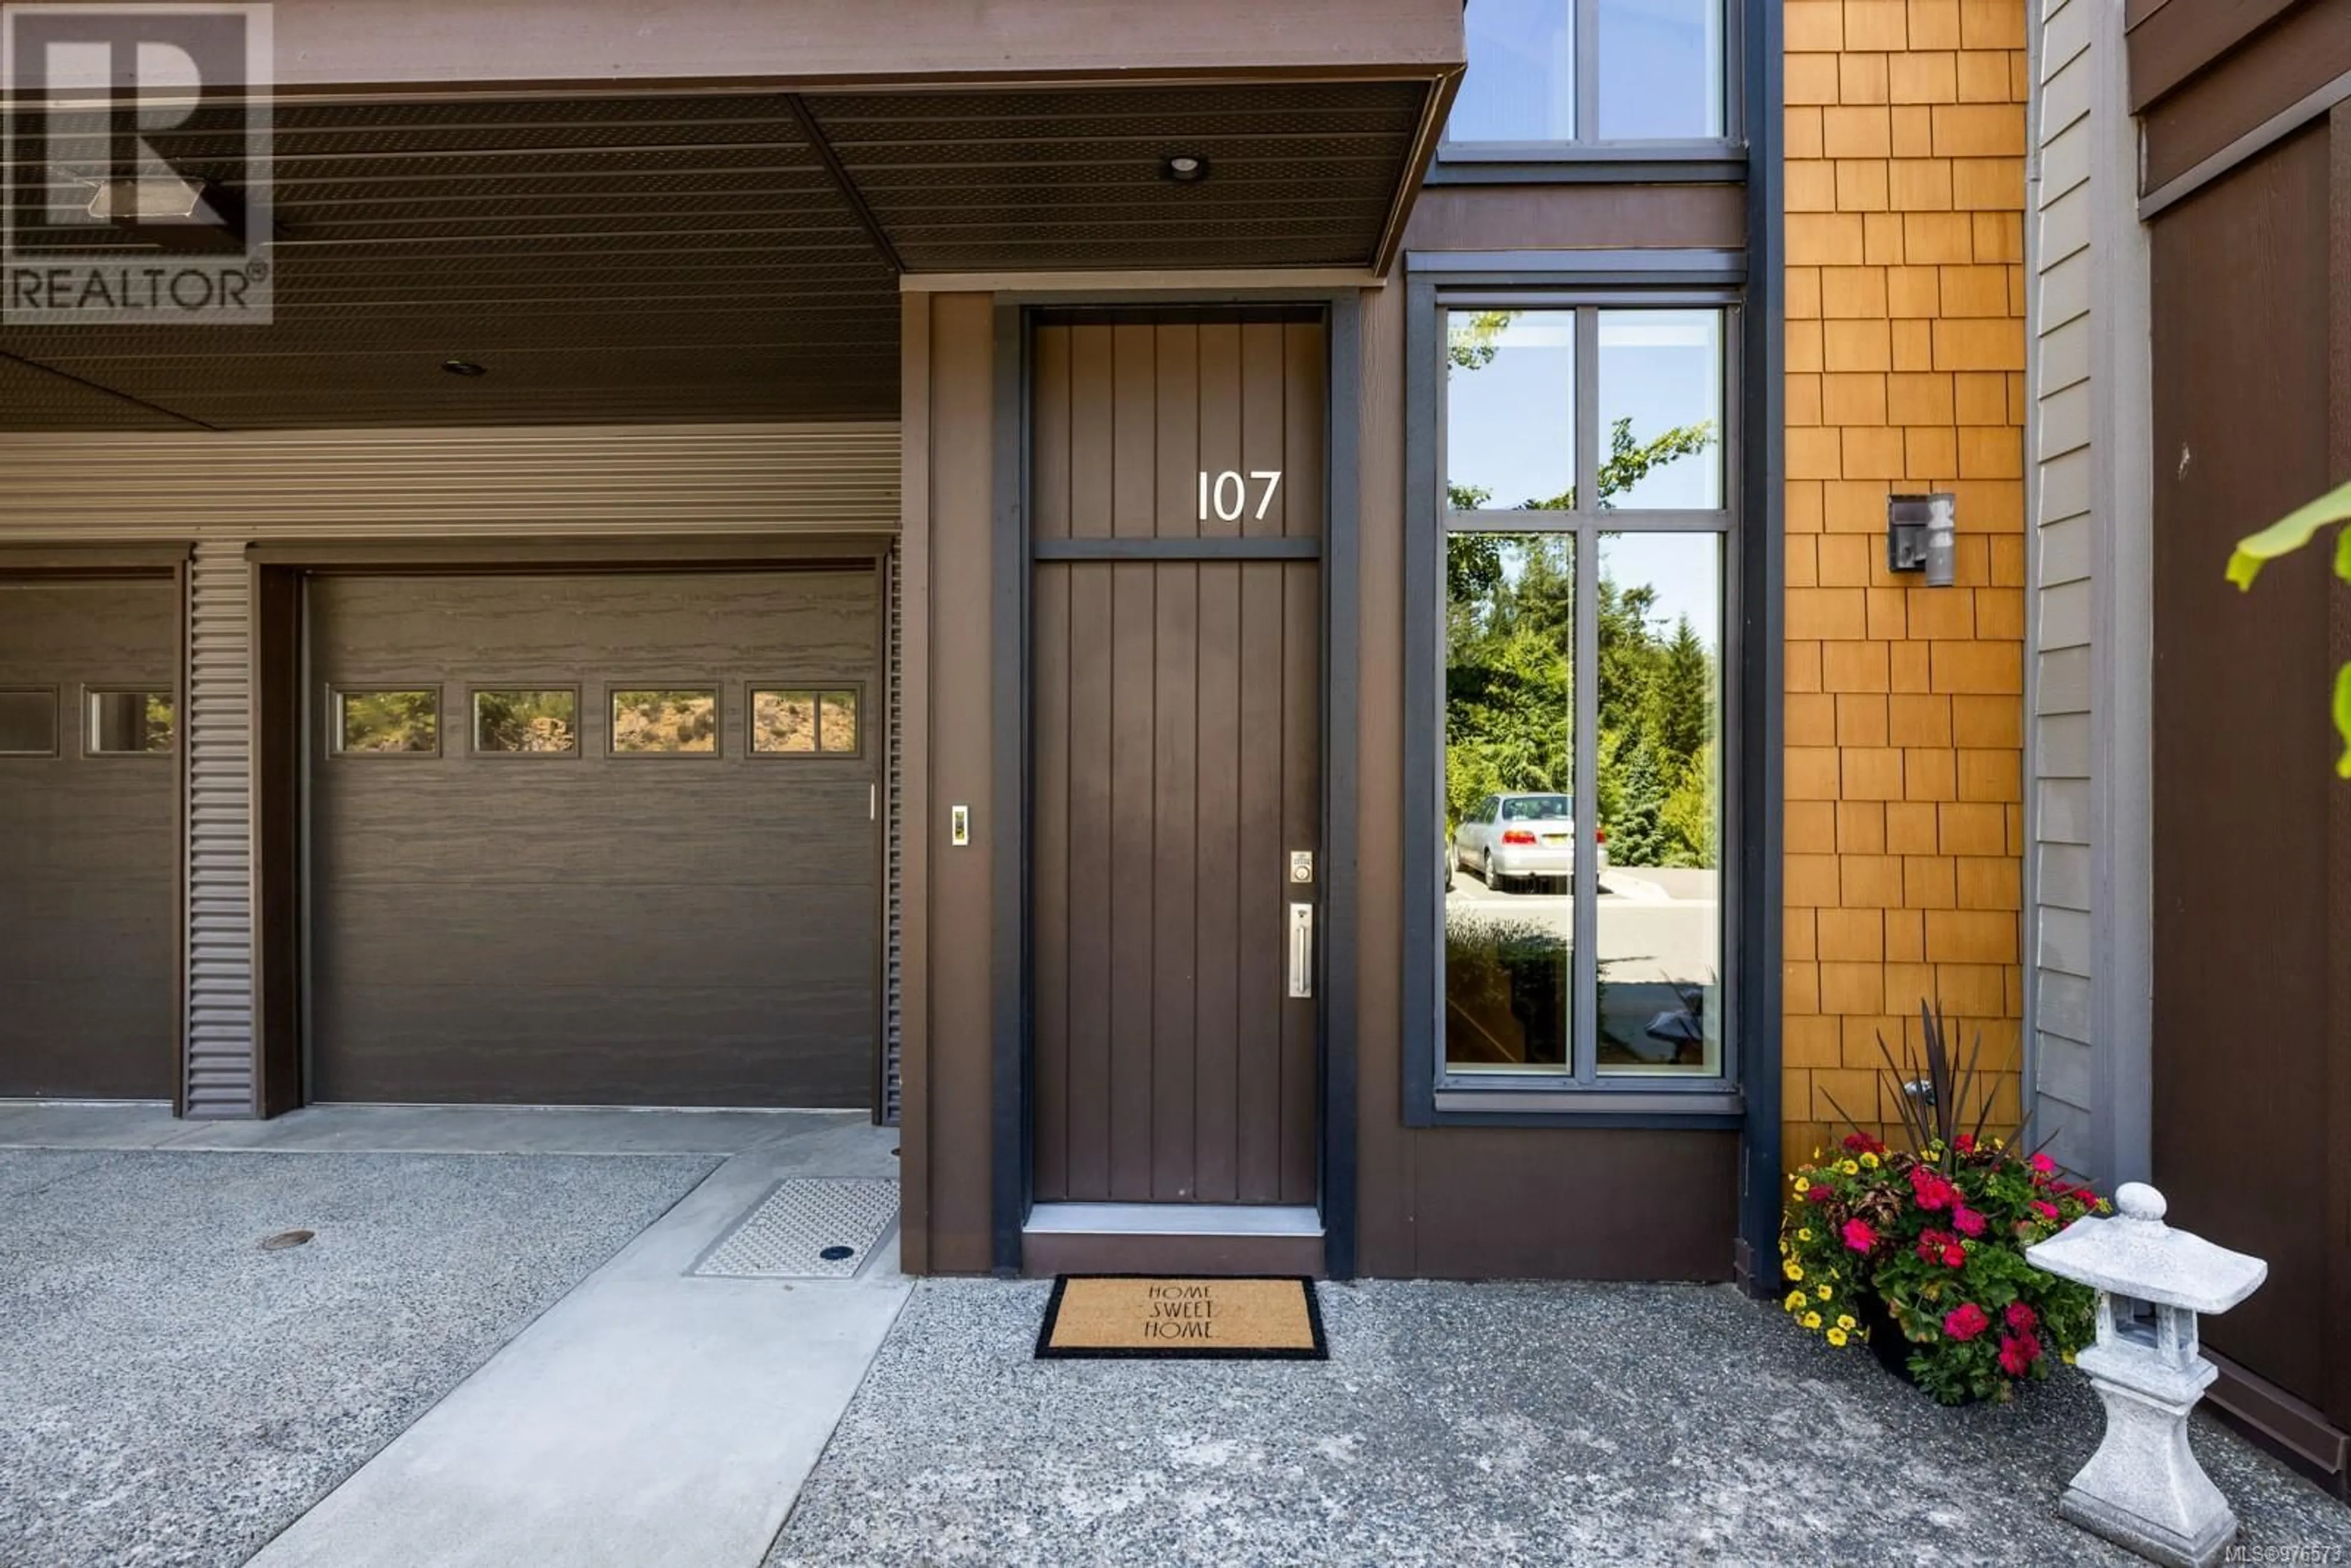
808, 1229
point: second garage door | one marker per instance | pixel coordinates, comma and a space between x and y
594, 839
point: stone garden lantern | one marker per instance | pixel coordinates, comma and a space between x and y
2143, 1489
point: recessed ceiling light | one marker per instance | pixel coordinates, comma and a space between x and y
465, 368
1183, 168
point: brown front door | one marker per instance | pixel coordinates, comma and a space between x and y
1176, 518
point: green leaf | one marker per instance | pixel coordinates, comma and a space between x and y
2343, 714
2289, 533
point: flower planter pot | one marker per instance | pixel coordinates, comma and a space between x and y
1885, 1340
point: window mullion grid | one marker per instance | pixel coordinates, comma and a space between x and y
1583, 42
1586, 704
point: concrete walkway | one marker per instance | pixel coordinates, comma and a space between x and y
648, 1416
651, 1417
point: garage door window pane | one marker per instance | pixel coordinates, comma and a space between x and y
836, 724
804, 723
668, 720
28, 724
388, 723
130, 722
538, 722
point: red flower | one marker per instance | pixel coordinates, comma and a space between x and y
2047, 1211
2017, 1355
1941, 1246
1818, 1193
1969, 1222
1932, 1191
1859, 1236
2044, 1166
2020, 1317
1864, 1143
1964, 1141
1965, 1321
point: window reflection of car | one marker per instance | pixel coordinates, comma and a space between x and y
1514, 839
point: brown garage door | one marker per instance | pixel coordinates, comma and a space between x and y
89, 783
594, 839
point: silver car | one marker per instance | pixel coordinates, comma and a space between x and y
1516, 838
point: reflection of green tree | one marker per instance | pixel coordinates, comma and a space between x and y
158, 734
1510, 683
1510, 689
391, 721
525, 721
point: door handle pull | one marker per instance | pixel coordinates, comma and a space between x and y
1301, 949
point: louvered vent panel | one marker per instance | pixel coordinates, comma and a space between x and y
219, 1056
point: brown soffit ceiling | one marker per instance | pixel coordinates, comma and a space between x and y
709, 255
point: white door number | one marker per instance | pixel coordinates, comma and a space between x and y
1229, 493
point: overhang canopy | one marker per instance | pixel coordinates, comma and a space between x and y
706, 213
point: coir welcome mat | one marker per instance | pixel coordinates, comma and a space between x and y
1163, 1315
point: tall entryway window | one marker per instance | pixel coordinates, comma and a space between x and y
1176, 518
1586, 465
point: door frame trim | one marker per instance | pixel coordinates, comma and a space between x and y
1012, 1161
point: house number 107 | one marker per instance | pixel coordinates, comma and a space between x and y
1229, 493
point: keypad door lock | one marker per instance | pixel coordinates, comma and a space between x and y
1302, 865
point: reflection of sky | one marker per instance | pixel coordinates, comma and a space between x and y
1660, 63
1519, 85
1660, 69
1510, 424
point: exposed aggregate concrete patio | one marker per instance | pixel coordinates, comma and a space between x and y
1467, 1424
170, 1393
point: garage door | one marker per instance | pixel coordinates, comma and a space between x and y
594, 839
88, 792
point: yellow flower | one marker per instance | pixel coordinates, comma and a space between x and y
1848, 1167
1844, 1321
1795, 1298
1811, 1319
1804, 1235
1793, 1270
1803, 1185
1816, 1154
1824, 1292
1836, 1338
1869, 1160
2066, 1356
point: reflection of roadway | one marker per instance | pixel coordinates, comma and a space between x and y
1656, 924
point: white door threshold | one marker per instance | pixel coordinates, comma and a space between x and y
1173, 1219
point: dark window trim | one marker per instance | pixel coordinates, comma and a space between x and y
718, 690
1748, 767
1586, 157
1584, 270
337, 751
816, 688
91, 689
474, 689
1012, 1086
57, 748
1714, 163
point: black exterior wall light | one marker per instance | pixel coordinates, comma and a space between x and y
1921, 536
